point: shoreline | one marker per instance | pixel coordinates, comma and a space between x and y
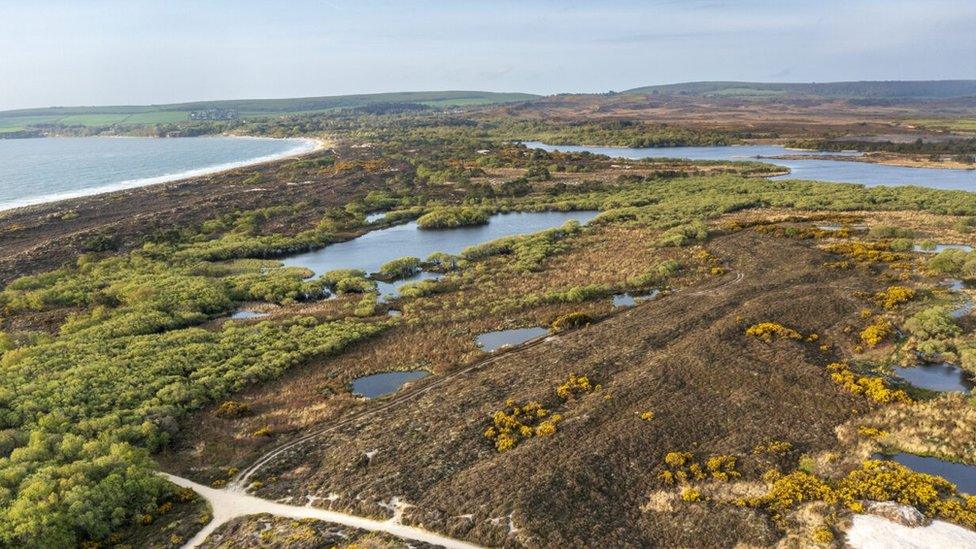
309, 145
882, 160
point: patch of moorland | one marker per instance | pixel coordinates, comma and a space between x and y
128, 361
712, 391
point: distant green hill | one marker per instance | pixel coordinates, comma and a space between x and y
895, 89
18, 120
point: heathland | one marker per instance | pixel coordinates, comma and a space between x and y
749, 398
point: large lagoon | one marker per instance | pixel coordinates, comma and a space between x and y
34, 171
809, 166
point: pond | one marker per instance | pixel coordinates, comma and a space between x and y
246, 314
800, 168
492, 341
374, 217
629, 299
833, 227
936, 377
962, 475
940, 248
375, 248
377, 385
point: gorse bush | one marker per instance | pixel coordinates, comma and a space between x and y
876, 332
892, 296
682, 467
519, 422
872, 387
874, 480
767, 331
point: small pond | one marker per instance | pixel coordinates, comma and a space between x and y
246, 314
375, 248
377, 385
936, 377
962, 475
374, 217
629, 299
966, 306
492, 341
941, 248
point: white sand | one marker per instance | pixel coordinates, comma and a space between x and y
873, 532
228, 504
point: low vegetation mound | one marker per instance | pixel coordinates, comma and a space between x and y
449, 218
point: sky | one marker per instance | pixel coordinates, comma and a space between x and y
104, 52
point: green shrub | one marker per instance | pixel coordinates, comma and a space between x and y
682, 235
656, 276
901, 245
447, 218
421, 288
402, 267
886, 231
579, 294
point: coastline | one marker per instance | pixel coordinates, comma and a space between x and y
308, 145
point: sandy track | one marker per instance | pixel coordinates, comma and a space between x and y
231, 504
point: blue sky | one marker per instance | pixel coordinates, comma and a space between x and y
87, 52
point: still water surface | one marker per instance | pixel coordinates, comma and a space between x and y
375, 248
802, 168
33, 171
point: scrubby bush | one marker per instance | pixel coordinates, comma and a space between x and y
447, 218
682, 235
366, 306
953, 262
530, 251
579, 294
901, 245
657, 275
569, 321
402, 267
887, 231
232, 409
933, 329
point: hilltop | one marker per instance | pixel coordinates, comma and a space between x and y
137, 115
887, 89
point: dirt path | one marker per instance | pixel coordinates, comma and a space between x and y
231, 504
